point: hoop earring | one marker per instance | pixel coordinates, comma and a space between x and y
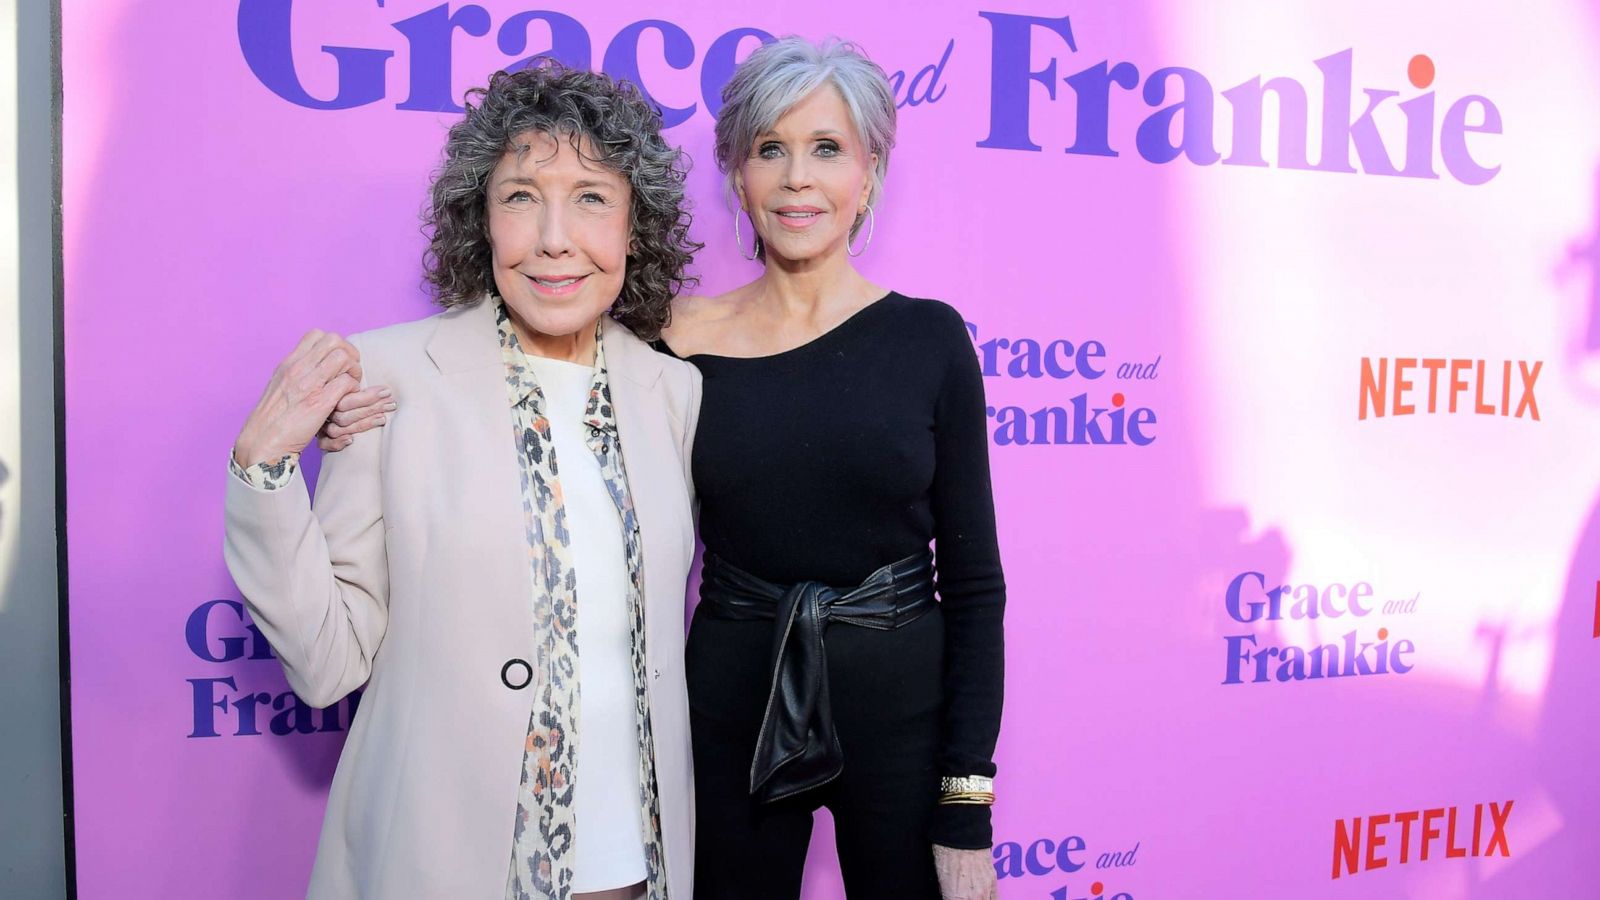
872, 225
755, 249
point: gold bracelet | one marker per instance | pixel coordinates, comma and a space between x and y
976, 798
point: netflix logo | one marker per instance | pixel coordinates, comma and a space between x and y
1436, 385
1362, 845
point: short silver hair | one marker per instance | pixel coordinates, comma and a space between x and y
781, 74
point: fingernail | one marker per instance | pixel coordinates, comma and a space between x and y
382, 418
386, 393
348, 441
391, 407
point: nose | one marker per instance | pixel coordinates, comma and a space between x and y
555, 238
797, 174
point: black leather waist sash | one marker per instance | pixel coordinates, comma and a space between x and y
797, 748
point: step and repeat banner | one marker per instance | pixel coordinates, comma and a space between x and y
1289, 316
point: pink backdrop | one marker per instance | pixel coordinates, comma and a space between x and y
212, 215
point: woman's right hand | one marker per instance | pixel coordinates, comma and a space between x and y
304, 391
965, 874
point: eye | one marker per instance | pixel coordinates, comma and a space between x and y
769, 150
591, 197
518, 196
827, 149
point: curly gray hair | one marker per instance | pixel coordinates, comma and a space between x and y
621, 126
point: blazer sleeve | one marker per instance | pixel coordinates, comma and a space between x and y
315, 577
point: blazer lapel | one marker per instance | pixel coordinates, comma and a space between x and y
628, 356
652, 462
486, 474
465, 339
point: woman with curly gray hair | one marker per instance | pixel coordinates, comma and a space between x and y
526, 506
843, 433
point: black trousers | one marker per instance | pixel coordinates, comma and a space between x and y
887, 698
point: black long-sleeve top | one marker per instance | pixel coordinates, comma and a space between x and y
858, 449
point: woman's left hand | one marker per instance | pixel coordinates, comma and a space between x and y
965, 874
356, 412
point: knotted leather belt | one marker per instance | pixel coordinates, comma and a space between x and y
797, 748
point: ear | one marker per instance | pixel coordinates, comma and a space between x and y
866, 189
738, 189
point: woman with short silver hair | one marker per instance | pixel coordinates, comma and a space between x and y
453, 569
842, 432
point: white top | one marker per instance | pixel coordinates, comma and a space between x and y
609, 839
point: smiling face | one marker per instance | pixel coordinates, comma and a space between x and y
559, 231
806, 180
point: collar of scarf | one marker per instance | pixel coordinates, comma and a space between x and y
597, 412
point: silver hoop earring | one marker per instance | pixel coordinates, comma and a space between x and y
755, 249
872, 224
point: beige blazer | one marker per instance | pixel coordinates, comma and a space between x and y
410, 575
